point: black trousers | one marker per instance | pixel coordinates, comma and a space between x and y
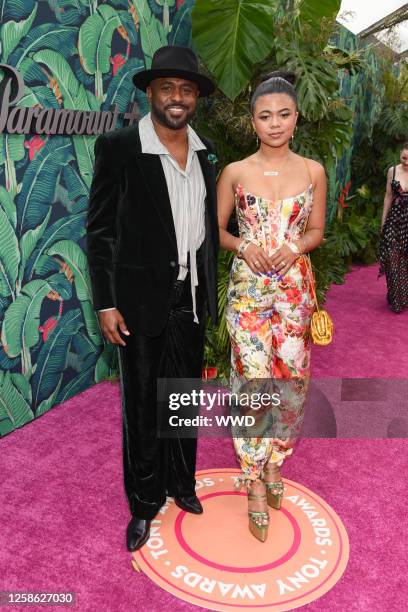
155, 467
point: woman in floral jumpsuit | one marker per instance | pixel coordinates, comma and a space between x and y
269, 302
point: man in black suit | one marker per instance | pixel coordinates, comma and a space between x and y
152, 238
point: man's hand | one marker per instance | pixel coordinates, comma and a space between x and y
111, 321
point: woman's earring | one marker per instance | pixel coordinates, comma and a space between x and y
257, 139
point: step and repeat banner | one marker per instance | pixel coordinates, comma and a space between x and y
66, 70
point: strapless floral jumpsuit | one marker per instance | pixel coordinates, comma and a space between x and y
269, 325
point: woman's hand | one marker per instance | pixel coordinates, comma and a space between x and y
283, 259
257, 259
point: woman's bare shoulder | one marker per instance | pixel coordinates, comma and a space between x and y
234, 169
315, 166
317, 171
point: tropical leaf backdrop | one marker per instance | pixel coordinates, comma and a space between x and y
73, 54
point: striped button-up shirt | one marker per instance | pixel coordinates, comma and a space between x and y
187, 197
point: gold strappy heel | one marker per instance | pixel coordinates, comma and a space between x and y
258, 521
256, 525
274, 490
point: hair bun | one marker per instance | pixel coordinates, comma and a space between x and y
283, 74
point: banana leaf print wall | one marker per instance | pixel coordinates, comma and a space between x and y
73, 54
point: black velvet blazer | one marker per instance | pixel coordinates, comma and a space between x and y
131, 239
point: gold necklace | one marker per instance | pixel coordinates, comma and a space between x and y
276, 172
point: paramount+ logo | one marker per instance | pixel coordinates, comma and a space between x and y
66, 122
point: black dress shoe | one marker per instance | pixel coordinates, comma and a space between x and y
137, 533
189, 504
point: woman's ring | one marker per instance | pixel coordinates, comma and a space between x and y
256, 262
283, 263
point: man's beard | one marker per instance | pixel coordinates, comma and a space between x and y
176, 123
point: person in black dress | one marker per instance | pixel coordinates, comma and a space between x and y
394, 234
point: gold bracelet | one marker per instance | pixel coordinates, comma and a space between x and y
244, 244
294, 248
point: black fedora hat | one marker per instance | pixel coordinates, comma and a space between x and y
176, 62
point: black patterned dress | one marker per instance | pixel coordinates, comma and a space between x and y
394, 248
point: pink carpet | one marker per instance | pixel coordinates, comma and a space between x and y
369, 339
63, 511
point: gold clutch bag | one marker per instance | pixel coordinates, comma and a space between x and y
321, 328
